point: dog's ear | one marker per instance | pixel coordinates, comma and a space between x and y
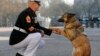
69, 15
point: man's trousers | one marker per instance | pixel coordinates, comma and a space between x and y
30, 44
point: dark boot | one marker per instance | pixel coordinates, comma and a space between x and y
17, 54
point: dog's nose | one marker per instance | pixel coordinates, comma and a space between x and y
60, 20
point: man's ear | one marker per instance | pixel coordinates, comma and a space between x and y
69, 15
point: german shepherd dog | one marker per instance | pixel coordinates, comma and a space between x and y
73, 30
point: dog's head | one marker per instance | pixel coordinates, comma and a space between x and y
66, 17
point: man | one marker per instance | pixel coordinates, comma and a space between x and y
27, 33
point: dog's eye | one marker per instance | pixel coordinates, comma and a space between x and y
69, 16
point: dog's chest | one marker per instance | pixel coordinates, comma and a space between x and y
70, 33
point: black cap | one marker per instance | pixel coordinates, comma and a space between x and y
38, 2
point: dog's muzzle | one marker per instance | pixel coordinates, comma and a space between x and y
60, 20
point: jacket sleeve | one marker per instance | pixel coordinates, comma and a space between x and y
46, 31
28, 21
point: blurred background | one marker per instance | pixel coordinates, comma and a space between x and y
87, 11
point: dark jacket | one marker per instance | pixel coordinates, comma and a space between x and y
17, 36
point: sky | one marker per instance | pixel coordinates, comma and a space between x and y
68, 2
46, 3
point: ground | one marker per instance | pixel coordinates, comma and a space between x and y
56, 45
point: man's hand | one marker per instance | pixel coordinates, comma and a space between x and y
31, 29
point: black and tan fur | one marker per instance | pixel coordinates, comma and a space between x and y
73, 30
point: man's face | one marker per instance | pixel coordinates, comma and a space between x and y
35, 7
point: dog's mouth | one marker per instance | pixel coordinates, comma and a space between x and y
60, 20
